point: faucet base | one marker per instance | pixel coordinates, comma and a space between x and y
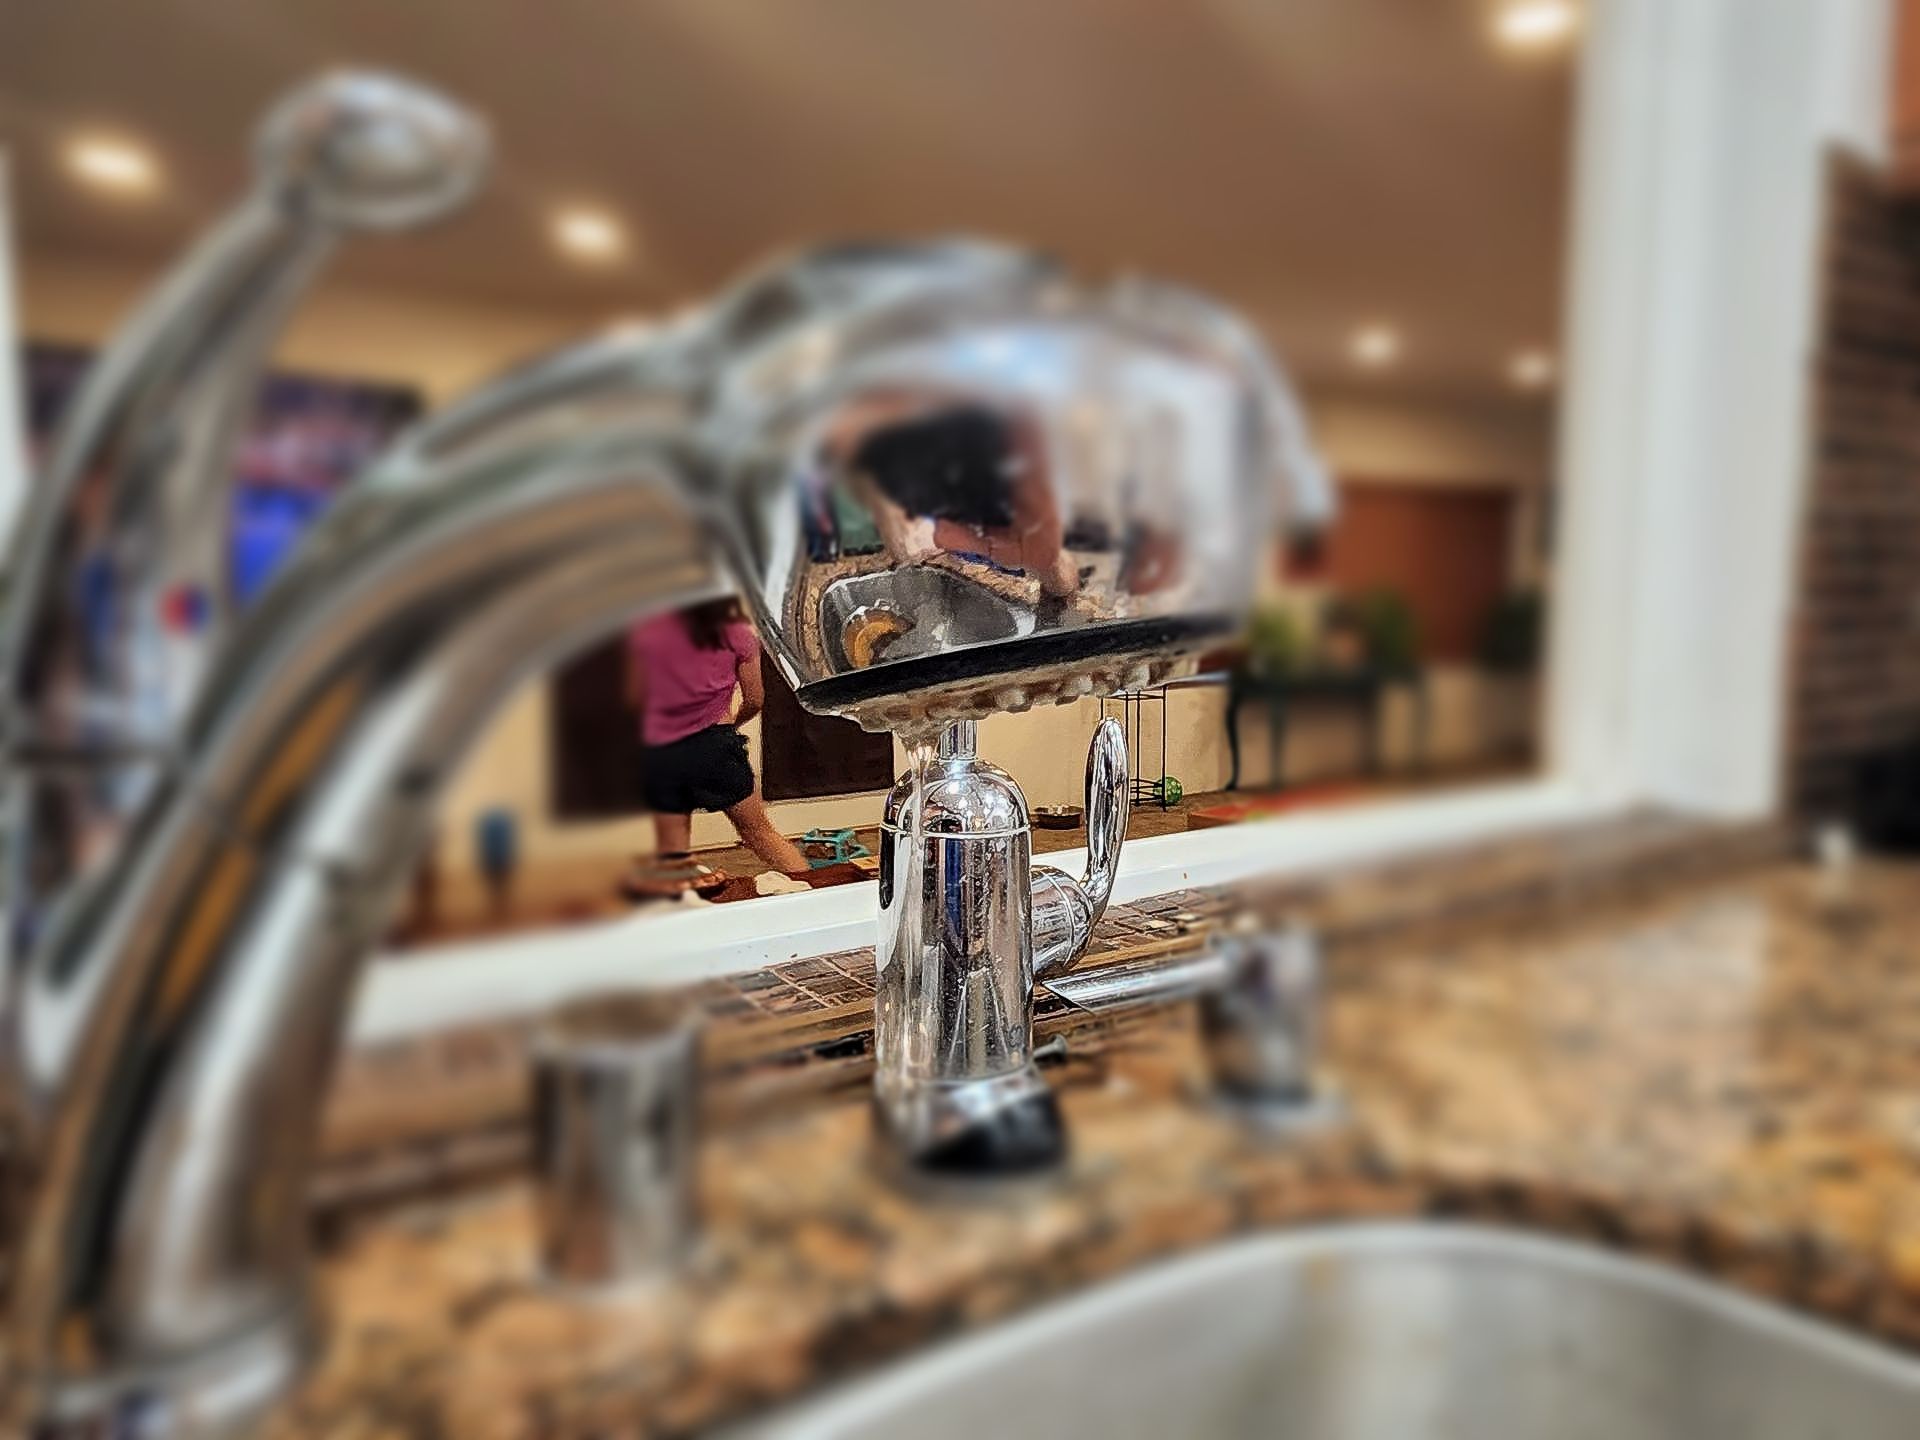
1006, 1127
225, 1390
1297, 1116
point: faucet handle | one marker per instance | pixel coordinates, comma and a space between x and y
1065, 910
1260, 1027
615, 1117
1261, 1022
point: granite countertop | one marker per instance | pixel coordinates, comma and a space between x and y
1726, 1078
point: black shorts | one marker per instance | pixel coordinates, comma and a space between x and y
708, 770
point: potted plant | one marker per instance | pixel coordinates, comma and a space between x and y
1274, 644
1511, 640
1392, 633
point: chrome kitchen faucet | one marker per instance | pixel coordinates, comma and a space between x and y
949, 479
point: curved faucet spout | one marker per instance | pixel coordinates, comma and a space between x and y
178, 1031
176, 1026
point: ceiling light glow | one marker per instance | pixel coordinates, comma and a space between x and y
1531, 370
1536, 24
1375, 346
589, 235
113, 165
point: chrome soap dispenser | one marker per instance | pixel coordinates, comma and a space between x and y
967, 924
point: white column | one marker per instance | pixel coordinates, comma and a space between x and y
1704, 134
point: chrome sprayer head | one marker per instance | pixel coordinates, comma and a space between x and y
965, 484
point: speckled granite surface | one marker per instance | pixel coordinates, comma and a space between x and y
1727, 1078
443, 1111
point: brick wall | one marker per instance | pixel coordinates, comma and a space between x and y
1856, 631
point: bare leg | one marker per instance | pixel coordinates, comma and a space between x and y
750, 818
673, 834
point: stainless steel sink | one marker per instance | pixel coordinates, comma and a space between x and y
941, 610
1403, 1332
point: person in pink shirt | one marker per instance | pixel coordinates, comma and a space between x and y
682, 670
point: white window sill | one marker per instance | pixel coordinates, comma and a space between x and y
475, 982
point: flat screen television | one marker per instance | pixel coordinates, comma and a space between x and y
309, 435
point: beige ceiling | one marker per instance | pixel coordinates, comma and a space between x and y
1319, 162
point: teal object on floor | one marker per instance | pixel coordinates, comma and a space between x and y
831, 847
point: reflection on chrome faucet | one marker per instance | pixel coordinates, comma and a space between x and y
953, 479
175, 1018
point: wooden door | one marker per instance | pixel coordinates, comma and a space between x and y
1906, 96
1446, 550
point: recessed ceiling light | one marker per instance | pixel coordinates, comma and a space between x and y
592, 236
119, 166
1531, 369
1535, 25
1375, 346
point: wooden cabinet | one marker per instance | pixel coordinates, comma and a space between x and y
804, 756
593, 751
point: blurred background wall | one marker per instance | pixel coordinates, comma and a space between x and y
1401, 456
1382, 186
